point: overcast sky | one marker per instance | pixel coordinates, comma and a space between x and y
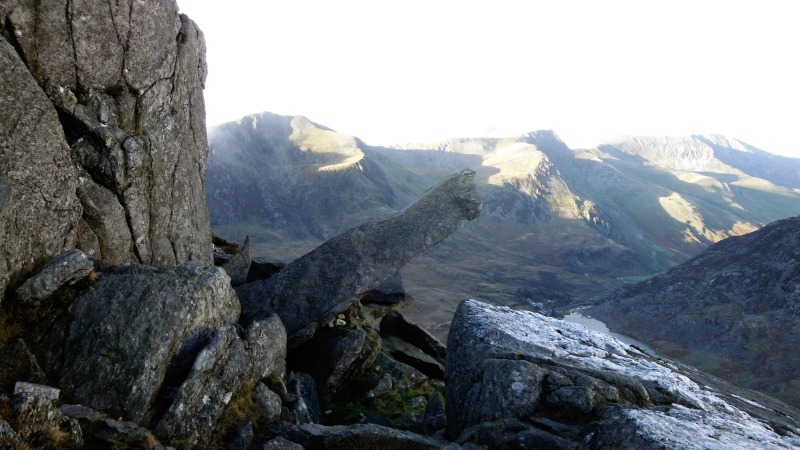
419, 71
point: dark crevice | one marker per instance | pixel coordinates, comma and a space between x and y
73, 128
129, 222
72, 40
10, 34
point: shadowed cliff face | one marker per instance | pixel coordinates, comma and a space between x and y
733, 310
103, 133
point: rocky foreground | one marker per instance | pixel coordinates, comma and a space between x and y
517, 379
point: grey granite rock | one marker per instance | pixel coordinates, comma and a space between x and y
65, 269
506, 365
281, 443
389, 292
23, 388
126, 80
118, 341
336, 356
37, 416
313, 289
120, 434
220, 371
39, 210
8, 437
434, 415
262, 268
365, 436
268, 400
238, 265
395, 324
403, 376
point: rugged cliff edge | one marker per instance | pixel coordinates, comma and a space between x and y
732, 310
104, 142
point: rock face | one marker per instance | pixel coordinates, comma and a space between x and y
39, 210
118, 341
732, 310
558, 381
219, 371
313, 289
238, 265
109, 96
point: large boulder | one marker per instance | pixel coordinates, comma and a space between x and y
118, 91
313, 289
117, 342
221, 370
545, 376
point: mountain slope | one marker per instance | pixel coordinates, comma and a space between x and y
559, 226
733, 310
286, 177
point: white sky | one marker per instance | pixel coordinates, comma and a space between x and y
419, 71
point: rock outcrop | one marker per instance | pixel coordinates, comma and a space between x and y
515, 377
66, 268
313, 289
109, 97
218, 372
732, 310
115, 345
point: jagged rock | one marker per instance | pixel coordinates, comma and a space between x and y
244, 437
123, 435
389, 292
270, 401
39, 210
281, 443
262, 268
403, 376
66, 268
506, 365
414, 357
105, 218
364, 436
434, 415
8, 437
316, 287
238, 265
36, 416
132, 328
395, 324
50, 393
335, 356
307, 408
127, 83
218, 372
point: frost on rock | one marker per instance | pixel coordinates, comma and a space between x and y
572, 375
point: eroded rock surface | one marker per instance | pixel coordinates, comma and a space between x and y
504, 364
66, 268
117, 341
313, 289
111, 94
219, 371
